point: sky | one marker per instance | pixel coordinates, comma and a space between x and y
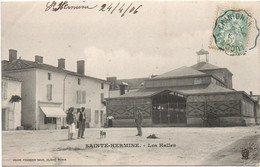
161, 36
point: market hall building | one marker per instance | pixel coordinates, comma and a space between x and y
200, 95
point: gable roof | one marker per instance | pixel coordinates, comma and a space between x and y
180, 72
204, 66
21, 64
142, 93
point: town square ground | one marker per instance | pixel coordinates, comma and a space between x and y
174, 146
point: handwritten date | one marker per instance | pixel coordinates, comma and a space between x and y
121, 8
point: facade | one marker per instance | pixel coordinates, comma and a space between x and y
11, 111
48, 92
200, 95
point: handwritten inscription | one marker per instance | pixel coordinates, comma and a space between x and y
121, 8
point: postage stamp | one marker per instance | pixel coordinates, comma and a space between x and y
231, 31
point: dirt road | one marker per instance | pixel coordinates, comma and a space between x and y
175, 146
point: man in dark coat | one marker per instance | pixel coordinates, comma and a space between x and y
138, 121
82, 122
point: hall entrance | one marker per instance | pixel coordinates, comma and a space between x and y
169, 109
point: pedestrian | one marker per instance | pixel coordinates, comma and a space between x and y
110, 121
138, 121
82, 122
70, 119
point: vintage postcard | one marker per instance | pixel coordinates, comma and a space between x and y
130, 83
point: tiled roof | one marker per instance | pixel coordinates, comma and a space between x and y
180, 72
211, 88
204, 66
6, 76
134, 83
21, 64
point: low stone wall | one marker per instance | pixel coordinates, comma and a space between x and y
249, 121
195, 122
130, 123
232, 121
221, 122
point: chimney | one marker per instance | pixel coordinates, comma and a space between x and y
123, 87
81, 67
251, 93
113, 82
38, 59
12, 55
61, 63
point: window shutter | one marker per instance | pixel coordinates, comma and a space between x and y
78, 97
2, 90
84, 97
5, 90
96, 116
102, 97
49, 92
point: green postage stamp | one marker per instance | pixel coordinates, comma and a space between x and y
231, 31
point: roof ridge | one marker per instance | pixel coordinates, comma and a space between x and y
41, 66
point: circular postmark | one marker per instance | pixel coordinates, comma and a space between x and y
231, 31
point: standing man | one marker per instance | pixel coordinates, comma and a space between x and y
138, 121
82, 120
71, 121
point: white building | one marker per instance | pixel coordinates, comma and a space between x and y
11, 111
48, 92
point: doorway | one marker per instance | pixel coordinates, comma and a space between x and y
5, 118
169, 108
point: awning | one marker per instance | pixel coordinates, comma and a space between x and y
53, 112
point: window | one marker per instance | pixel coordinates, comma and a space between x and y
102, 85
102, 97
49, 76
78, 81
96, 117
78, 97
49, 92
83, 96
4, 90
49, 120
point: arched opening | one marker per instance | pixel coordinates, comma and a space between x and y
169, 108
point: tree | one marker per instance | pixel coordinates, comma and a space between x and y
15, 99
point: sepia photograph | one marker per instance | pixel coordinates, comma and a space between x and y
130, 83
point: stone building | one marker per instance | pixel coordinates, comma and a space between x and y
11, 109
49, 91
200, 95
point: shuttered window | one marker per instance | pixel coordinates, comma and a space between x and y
102, 97
78, 97
96, 117
4, 90
88, 115
49, 92
83, 97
